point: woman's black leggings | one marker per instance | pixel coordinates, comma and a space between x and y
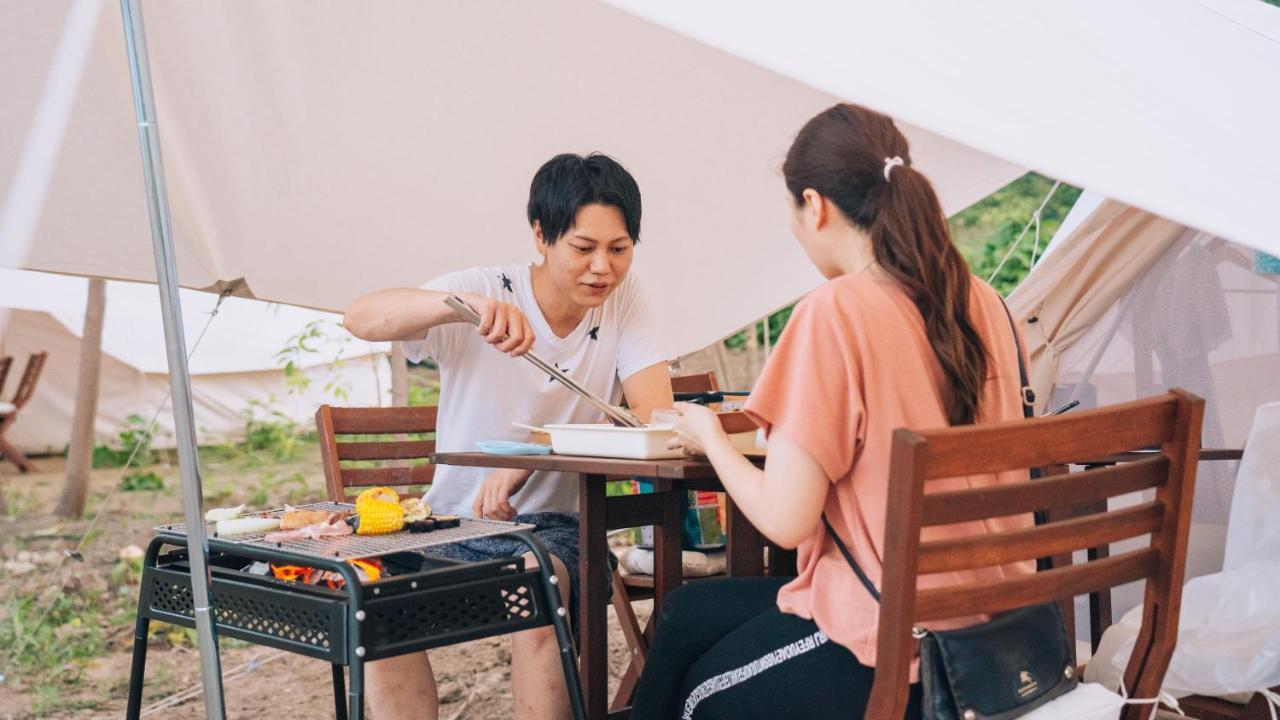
724, 650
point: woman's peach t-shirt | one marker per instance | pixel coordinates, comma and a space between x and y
852, 366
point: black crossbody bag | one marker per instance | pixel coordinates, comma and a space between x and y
1000, 669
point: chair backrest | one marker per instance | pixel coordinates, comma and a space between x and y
1170, 422
373, 440
5, 363
702, 382
30, 375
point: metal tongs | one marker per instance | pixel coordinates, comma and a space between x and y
616, 415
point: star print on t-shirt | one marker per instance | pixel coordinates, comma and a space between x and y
592, 332
551, 378
506, 282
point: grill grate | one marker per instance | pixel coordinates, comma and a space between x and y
350, 547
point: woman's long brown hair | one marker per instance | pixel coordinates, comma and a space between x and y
841, 154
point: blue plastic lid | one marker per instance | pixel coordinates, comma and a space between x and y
509, 447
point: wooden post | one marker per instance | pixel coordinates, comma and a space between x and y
399, 376
80, 453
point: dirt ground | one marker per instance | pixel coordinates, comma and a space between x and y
93, 681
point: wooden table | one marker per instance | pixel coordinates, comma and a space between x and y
598, 514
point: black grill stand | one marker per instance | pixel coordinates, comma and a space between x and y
447, 602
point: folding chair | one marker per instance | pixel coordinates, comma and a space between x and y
9, 410
5, 363
1171, 422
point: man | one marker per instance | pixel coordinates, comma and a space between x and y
575, 309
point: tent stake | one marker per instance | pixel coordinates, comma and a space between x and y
175, 347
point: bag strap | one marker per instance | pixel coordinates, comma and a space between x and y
1028, 395
848, 556
1028, 412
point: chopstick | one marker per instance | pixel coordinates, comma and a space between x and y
616, 415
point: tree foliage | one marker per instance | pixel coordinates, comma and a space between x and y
985, 230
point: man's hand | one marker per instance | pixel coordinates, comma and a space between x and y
493, 499
502, 325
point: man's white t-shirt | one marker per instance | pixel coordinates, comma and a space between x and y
482, 390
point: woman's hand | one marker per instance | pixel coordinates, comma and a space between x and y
493, 500
502, 325
696, 429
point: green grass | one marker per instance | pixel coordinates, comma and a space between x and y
49, 657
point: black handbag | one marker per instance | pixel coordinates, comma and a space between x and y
997, 670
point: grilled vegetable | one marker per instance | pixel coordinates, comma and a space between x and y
443, 522
379, 512
246, 526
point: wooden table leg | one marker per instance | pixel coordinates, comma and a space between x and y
593, 628
668, 570
668, 574
746, 549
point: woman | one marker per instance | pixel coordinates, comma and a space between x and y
901, 335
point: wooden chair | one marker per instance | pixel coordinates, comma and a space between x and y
5, 363
1171, 422
333, 422
704, 382
358, 424
9, 411
1201, 707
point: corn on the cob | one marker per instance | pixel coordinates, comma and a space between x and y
379, 512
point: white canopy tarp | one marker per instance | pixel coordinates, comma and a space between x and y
234, 365
1167, 105
324, 149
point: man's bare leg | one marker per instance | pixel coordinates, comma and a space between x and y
402, 688
537, 677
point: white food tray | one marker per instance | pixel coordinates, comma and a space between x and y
646, 443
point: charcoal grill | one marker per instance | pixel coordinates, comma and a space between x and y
426, 601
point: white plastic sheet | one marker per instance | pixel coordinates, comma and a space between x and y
1228, 636
1253, 532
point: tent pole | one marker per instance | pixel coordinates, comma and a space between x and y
175, 346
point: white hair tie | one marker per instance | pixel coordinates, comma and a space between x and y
890, 164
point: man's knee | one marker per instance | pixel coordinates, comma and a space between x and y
557, 567
531, 562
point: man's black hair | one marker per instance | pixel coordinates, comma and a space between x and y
567, 182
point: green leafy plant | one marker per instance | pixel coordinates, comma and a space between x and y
293, 355
267, 428
420, 394
133, 437
142, 481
